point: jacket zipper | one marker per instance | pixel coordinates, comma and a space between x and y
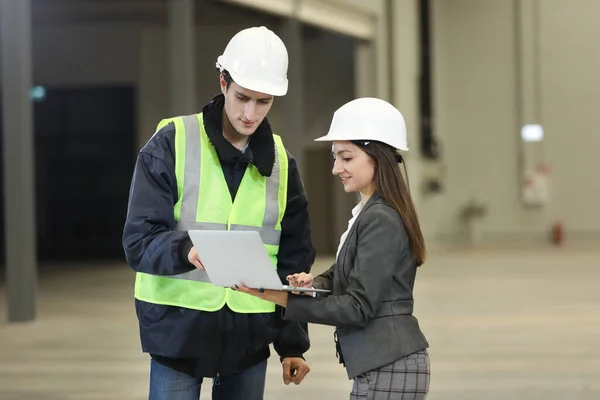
218, 372
223, 344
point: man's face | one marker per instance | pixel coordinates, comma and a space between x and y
245, 108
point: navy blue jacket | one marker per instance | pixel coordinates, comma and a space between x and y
199, 343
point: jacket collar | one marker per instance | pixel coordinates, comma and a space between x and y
375, 198
261, 147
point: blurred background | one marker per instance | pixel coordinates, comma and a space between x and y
501, 99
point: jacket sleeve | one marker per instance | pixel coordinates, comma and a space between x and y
296, 254
325, 279
150, 242
368, 282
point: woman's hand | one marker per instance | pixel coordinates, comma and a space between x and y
274, 296
300, 280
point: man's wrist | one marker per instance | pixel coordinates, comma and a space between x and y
281, 358
184, 249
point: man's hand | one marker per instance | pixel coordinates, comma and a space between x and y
195, 259
294, 370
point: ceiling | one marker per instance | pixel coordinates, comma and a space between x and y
153, 11
208, 13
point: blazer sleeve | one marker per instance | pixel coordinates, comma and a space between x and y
325, 279
379, 230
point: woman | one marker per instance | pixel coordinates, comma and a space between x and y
371, 301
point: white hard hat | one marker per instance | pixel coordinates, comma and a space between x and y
368, 118
257, 59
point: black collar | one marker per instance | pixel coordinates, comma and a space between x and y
261, 147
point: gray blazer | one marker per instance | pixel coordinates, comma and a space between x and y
371, 303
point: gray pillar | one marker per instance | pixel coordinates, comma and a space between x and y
182, 56
19, 202
365, 69
382, 53
293, 101
365, 85
404, 40
372, 58
153, 83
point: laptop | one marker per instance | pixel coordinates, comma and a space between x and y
239, 257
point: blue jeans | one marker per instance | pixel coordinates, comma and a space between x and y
169, 384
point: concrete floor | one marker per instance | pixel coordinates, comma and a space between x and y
502, 324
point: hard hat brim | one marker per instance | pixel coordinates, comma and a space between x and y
331, 138
262, 87
325, 138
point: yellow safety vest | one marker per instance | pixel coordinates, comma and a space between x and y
204, 202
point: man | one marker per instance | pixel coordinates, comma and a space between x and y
220, 169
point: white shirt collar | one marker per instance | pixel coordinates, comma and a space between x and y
356, 210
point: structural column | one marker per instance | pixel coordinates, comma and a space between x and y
404, 84
365, 71
182, 56
293, 101
153, 66
19, 200
366, 79
372, 78
388, 68
372, 62
382, 53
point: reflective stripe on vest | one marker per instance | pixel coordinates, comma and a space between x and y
204, 202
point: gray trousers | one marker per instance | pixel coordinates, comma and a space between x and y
405, 379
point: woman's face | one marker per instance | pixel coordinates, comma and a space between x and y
354, 167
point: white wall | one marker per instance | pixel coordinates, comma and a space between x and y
476, 110
570, 93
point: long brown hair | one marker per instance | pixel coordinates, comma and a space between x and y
391, 186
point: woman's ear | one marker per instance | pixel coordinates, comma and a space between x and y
223, 84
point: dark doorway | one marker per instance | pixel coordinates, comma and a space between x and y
84, 158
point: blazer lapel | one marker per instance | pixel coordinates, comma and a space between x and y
342, 256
